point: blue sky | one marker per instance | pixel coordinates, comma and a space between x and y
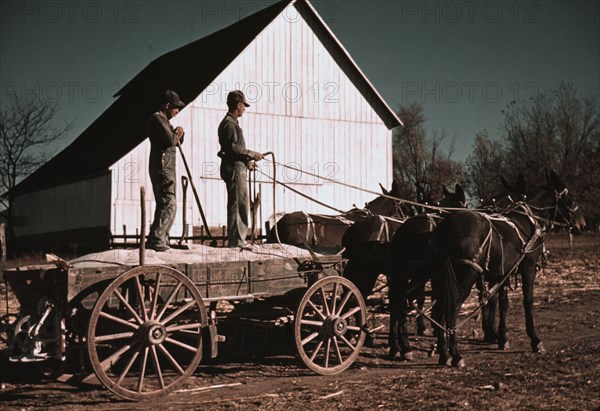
463, 60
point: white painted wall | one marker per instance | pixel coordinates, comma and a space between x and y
303, 108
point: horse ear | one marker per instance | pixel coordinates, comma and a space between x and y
521, 185
556, 181
460, 193
395, 191
445, 190
387, 193
547, 175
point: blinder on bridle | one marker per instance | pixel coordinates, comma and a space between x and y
561, 198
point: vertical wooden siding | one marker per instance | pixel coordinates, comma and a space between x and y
82, 204
303, 108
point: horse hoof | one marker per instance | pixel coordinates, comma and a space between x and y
391, 355
539, 348
432, 350
459, 364
408, 356
370, 341
490, 339
447, 361
505, 346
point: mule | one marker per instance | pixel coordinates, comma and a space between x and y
318, 230
371, 251
408, 274
512, 194
409, 271
470, 246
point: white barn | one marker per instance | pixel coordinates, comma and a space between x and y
310, 105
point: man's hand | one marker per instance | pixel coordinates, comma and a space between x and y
256, 156
252, 166
179, 133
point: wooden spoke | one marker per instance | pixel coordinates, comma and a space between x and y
128, 306
316, 351
169, 299
312, 322
182, 345
112, 337
317, 338
140, 292
188, 317
171, 359
319, 312
116, 356
178, 311
183, 327
309, 338
143, 370
334, 297
337, 349
351, 312
155, 298
325, 301
344, 301
348, 343
157, 366
118, 320
127, 367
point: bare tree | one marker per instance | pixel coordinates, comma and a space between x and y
484, 166
26, 131
559, 130
421, 166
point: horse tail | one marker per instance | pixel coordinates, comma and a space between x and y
444, 284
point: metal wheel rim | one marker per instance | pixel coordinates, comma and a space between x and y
329, 332
136, 350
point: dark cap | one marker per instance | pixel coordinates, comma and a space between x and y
173, 99
235, 97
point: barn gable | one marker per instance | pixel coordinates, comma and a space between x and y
311, 105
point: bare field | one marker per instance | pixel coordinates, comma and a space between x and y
566, 378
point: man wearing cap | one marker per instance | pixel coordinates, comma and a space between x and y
236, 159
163, 139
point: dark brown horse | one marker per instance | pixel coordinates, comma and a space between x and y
373, 247
470, 246
326, 231
407, 270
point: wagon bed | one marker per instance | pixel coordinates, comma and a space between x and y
107, 305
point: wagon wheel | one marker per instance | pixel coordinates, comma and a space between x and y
329, 325
144, 336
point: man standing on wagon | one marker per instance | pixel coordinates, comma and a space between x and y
163, 139
235, 161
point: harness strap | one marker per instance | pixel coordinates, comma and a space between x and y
311, 224
470, 263
383, 231
344, 220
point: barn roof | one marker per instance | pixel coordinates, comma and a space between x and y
123, 125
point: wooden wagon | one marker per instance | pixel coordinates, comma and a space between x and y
143, 329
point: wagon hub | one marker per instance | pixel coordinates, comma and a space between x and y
336, 326
154, 333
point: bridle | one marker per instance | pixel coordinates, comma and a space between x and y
556, 211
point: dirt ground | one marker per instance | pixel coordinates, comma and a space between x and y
566, 378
